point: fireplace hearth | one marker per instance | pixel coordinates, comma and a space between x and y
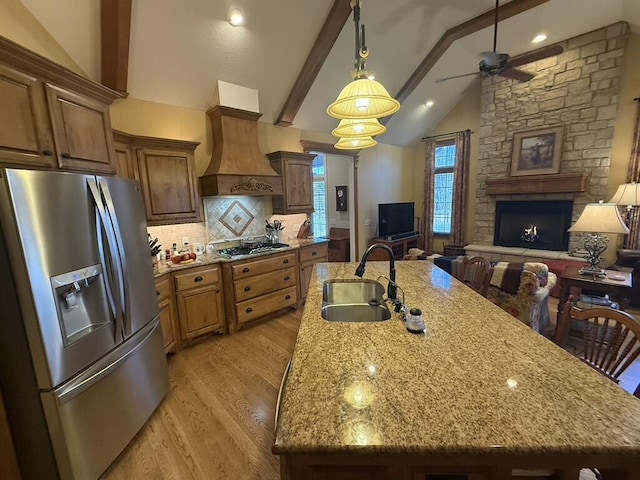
539, 224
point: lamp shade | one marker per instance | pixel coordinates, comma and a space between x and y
361, 127
363, 98
600, 218
355, 143
627, 194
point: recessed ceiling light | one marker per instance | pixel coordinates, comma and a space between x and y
539, 38
428, 103
236, 18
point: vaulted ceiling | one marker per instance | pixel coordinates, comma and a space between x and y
180, 48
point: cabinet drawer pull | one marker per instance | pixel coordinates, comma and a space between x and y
314, 253
157, 293
287, 277
66, 155
249, 310
197, 279
287, 297
286, 260
246, 289
47, 153
245, 269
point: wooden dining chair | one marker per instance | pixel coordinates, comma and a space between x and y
477, 272
611, 338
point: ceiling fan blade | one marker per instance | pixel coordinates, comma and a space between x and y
534, 56
455, 76
515, 74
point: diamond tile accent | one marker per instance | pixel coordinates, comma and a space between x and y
237, 218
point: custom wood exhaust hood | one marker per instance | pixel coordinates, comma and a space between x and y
237, 166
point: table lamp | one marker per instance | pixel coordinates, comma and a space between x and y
628, 194
597, 218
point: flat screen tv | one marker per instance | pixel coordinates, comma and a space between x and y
395, 219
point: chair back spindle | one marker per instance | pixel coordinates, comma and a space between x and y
477, 272
611, 337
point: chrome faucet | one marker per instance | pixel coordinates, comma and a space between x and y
392, 288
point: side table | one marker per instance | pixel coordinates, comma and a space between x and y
619, 290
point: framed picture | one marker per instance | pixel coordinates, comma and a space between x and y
536, 152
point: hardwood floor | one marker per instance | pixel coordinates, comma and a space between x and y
217, 420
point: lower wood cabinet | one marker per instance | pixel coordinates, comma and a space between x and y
8, 461
191, 304
308, 257
259, 287
199, 299
168, 320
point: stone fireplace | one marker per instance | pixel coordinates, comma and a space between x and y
540, 225
577, 90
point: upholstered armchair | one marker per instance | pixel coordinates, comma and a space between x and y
522, 289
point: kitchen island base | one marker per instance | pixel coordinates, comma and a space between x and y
407, 467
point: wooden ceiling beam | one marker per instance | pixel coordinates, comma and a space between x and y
338, 15
508, 10
115, 29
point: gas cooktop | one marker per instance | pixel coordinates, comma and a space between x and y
251, 249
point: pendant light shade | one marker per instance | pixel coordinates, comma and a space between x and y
363, 98
355, 143
365, 127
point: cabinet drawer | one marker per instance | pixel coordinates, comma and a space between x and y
265, 304
257, 267
163, 288
197, 278
267, 282
310, 254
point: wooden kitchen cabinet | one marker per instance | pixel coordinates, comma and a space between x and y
8, 461
126, 163
168, 320
308, 257
200, 302
259, 287
297, 177
81, 131
52, 117
25, 137
166, 170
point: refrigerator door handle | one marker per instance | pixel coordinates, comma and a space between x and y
108, 233
124, 287
103, 367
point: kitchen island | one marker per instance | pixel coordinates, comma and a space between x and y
479, 393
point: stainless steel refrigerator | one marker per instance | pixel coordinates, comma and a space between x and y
82, 365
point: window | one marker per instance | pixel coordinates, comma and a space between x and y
445, 161
319, 216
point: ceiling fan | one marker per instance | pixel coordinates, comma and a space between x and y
496, 63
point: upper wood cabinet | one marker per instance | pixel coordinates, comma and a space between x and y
25, 137
166, 170
126, 163
82, 131
52, 117
297, 179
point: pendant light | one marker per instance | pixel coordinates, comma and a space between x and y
362, 98
359, 127
355, 143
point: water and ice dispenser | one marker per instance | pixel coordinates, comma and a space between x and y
81, 301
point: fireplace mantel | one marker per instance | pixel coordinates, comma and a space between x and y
552, 183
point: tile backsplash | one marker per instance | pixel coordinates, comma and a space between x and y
227, 218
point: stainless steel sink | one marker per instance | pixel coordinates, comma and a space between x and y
355, 312
339, 292
354, 301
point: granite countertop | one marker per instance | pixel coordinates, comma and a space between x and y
163, 268
478, 382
